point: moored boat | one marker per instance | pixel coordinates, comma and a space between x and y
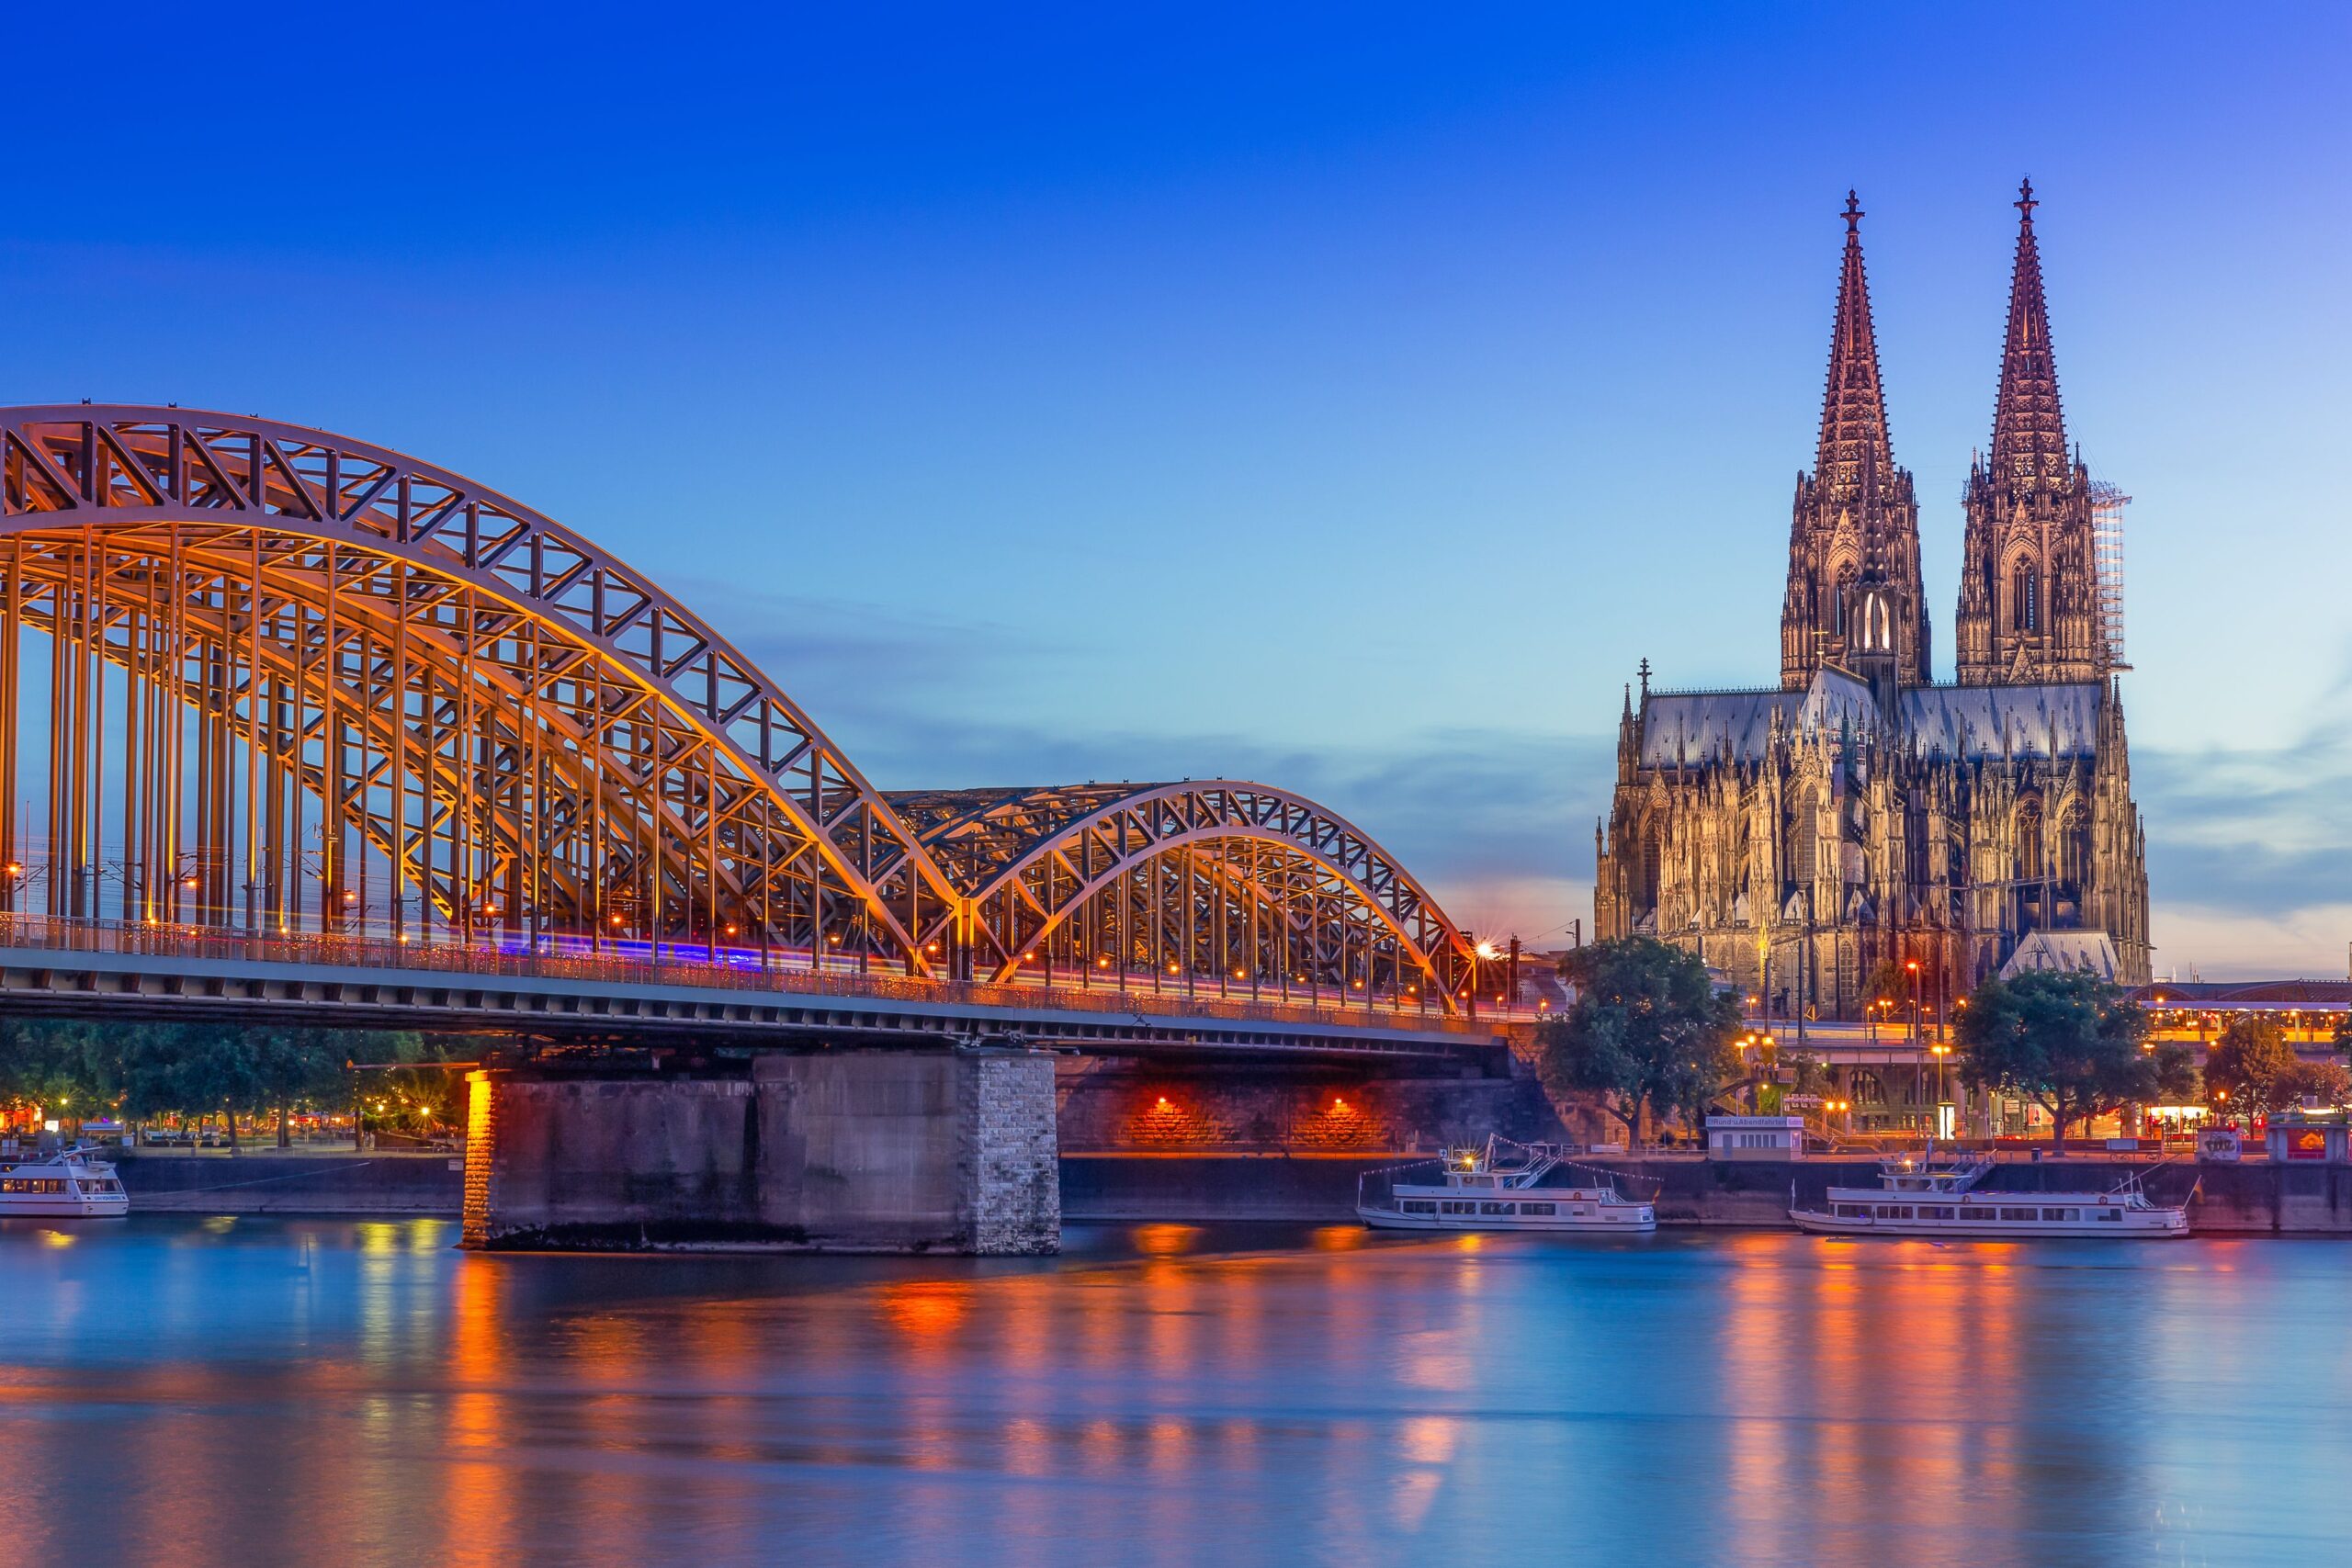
1916, 1196
1479, 1192
65, 1185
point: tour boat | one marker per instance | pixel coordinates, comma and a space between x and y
1917, 1197
1480, 1193
66, 1185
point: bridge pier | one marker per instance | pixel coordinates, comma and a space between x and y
850, 1151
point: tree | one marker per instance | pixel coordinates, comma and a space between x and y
1889, 985
2319, 1083
2248, 1063
1646, 1033
47, 1063
2067, 1040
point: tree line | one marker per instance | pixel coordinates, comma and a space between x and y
82, 1069
1648, 1037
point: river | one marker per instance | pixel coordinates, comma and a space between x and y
325, 1391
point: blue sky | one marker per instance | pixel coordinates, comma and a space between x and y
1346, 397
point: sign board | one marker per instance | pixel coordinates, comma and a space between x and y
2220, 1144
2306, 1143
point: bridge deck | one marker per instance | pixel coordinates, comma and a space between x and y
52, 967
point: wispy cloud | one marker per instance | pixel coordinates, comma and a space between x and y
1497, 823
2250, 850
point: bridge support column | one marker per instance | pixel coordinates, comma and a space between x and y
832, 1151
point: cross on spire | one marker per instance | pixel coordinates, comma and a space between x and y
2025, 202
1854, 214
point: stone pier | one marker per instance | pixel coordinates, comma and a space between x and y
849, 1151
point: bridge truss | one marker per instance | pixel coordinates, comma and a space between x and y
259, 677
1235, 885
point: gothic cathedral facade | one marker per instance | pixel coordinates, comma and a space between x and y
1861, 812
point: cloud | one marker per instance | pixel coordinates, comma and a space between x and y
2250, 851
843, 658
2250, 848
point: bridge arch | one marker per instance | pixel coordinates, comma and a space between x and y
1218, 880
282, 657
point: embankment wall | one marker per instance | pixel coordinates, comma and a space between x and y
2254, 1198
273, 1183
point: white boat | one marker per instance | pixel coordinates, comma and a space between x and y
1479, 1193
65, 1185
1916, 1196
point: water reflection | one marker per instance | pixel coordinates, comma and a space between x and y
361, 1392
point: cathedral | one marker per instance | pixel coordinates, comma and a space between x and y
1799, 837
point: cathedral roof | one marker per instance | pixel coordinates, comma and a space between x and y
1992, 721
2083, 950
2048, 721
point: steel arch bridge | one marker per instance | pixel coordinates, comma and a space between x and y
262, 678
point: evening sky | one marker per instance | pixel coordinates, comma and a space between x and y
1346, 397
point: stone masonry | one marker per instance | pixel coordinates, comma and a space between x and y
856, 1151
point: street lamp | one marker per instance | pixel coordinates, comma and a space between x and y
1943, 1105
1912, 964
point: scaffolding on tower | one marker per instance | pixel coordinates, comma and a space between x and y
2106, 561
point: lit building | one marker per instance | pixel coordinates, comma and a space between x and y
1797, 837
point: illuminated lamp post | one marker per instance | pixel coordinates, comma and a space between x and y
1943, 1105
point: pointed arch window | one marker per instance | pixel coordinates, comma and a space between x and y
2075, 848
1803, 841
1653, 850
2024, 612
1877, 625
2030, 867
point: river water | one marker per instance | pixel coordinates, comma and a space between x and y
318, 1391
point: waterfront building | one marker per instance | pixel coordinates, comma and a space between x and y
1799, 836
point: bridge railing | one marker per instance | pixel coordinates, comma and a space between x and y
34, 932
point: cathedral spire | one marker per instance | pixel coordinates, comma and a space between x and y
2028, 430
1853, 406
2029, 576
1853, 593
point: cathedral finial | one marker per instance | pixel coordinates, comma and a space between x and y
1645, 673
2025, 203
1854, 214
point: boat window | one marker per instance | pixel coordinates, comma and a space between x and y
2058, 1213
1853, 1211
1498, 1208
2018, 1213
1939, 1211
2115, 1214
1894, 1211
1539, 1207
1459, 1206
30, 1184
1418, 1206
